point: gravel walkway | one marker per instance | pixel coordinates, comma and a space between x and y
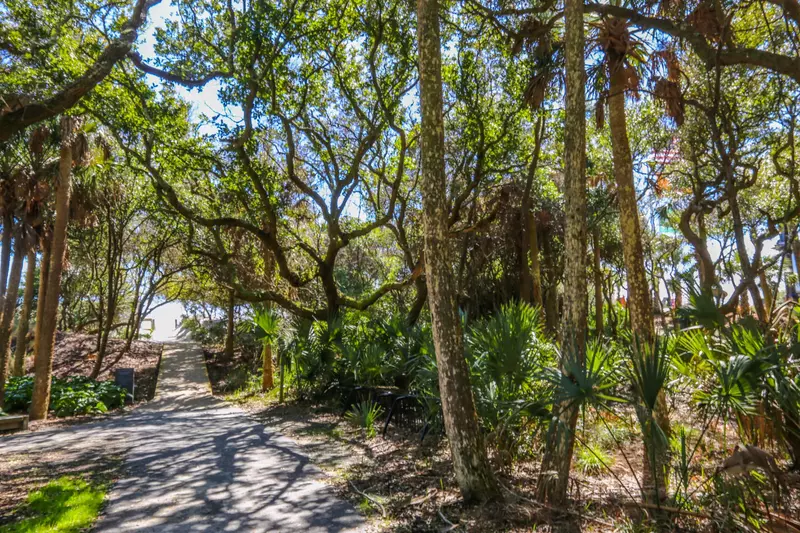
197, 464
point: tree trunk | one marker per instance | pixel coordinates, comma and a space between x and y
551, 291
268, 370
229, 332
267, 380
281, 364
420, 299
44, 272
25, 315
112, 296
640, 308
767, 290
741, 248
531, 276
536, 272
9, 305
598, 283
561, 435
43, 362
5, 258
471, 464
133, 331
705, 265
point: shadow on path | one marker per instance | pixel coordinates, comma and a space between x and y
197, 464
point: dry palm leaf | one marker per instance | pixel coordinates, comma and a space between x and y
669, 59
600, 112
632, 81
670, 92
704, 19
536, 89
36, 143
81, 155
614, 38
670, 7
532, 31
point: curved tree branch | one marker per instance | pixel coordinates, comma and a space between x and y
18, 119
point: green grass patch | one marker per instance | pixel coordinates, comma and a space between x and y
592, 460
67, 504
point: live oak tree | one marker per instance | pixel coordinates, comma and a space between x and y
36, 39
621, 55
302, 160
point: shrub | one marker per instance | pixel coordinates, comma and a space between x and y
364, 415
72, 396
19, 391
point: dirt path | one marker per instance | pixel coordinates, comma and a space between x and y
197, 464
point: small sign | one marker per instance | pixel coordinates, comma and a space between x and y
124, 377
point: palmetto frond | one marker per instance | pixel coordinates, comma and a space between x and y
649, 371
267, 324
589, 383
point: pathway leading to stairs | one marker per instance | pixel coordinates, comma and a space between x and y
197, 464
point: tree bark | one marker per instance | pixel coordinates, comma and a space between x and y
420, 299
531, 270
536, 271
598, 283
639, 305
5, 258
551, 292
705, 265
268, 371
762, 278
471, 464
112, 295
44, 272
561, 435
43, 362
267, 379
133, 326
229, 332
25, 315
741, 248
10, 304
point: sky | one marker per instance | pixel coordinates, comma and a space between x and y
205, 101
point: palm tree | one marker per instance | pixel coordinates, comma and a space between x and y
471, 464
267, 328
621, 50
25, 314
71, 141
10, 303
561, 441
